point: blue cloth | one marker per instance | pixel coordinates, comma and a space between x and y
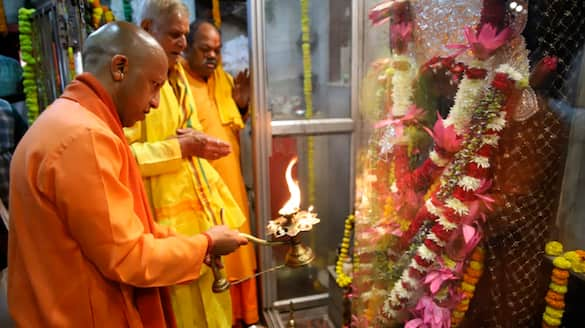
12, 128
10, 76
6, 147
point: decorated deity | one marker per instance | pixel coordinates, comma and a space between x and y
461, 179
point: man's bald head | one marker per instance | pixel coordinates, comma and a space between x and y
130, 64
117, 38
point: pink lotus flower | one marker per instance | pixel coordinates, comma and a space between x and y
400, 32
487, 41
429, 315
445, 137
381, 12
412, 115
435, 279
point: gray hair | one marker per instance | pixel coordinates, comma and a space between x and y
153, 9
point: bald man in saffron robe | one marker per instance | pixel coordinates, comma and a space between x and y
84, 250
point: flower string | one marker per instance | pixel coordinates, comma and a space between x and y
308, 93
216, 13
462, 183
341, 278
555, 297
100, 14
471, 276
3, 25
28, 57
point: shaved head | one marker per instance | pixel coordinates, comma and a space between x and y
130, 64
117, 38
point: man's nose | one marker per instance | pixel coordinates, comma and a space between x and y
155, 100
182, 42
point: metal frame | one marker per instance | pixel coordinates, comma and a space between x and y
263, 128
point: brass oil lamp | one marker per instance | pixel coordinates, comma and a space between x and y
285, 230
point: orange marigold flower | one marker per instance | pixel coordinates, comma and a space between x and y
555, 296
470, 279
473, 272
560, 273
559, 281
559, 305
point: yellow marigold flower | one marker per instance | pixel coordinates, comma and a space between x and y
458, 314
550, 320
572, 256
557, 288
553, 248
467, 287
476, 265
562, 263
579, 267
558, 314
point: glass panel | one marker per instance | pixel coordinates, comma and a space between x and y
330, 58
468, 163
330, 180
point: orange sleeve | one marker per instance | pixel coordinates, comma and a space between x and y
98, 211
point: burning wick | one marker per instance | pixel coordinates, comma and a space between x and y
292, 205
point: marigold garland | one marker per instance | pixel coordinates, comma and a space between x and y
100, 14
308, 93
471, 276
27, 55
216, 13
555, 297
445, 209
341, 278
3, 25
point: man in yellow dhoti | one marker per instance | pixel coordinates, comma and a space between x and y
221, 101
185, 191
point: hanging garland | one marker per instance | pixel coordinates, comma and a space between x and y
341, 278
308, 92
100, 15
471, 275
26, 52
216, 13
558, 287
3, 25
448, 208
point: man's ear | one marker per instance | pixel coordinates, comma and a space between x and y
119, 67
146, 25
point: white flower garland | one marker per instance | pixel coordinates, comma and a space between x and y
460, 117
466, 98
402, 81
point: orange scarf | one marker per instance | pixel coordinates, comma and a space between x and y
153, 304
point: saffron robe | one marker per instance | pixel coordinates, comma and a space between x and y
219, 116
187, 195
81, 234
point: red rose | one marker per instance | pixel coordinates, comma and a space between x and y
414, 273
440, 232
462, 195
432, 246
543, 72
501, 82
422, 262
473, 170
475, 73
485, 150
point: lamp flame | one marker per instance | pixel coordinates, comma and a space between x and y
292, 205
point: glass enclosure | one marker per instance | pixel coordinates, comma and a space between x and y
330, 23
469, 161
303, 107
